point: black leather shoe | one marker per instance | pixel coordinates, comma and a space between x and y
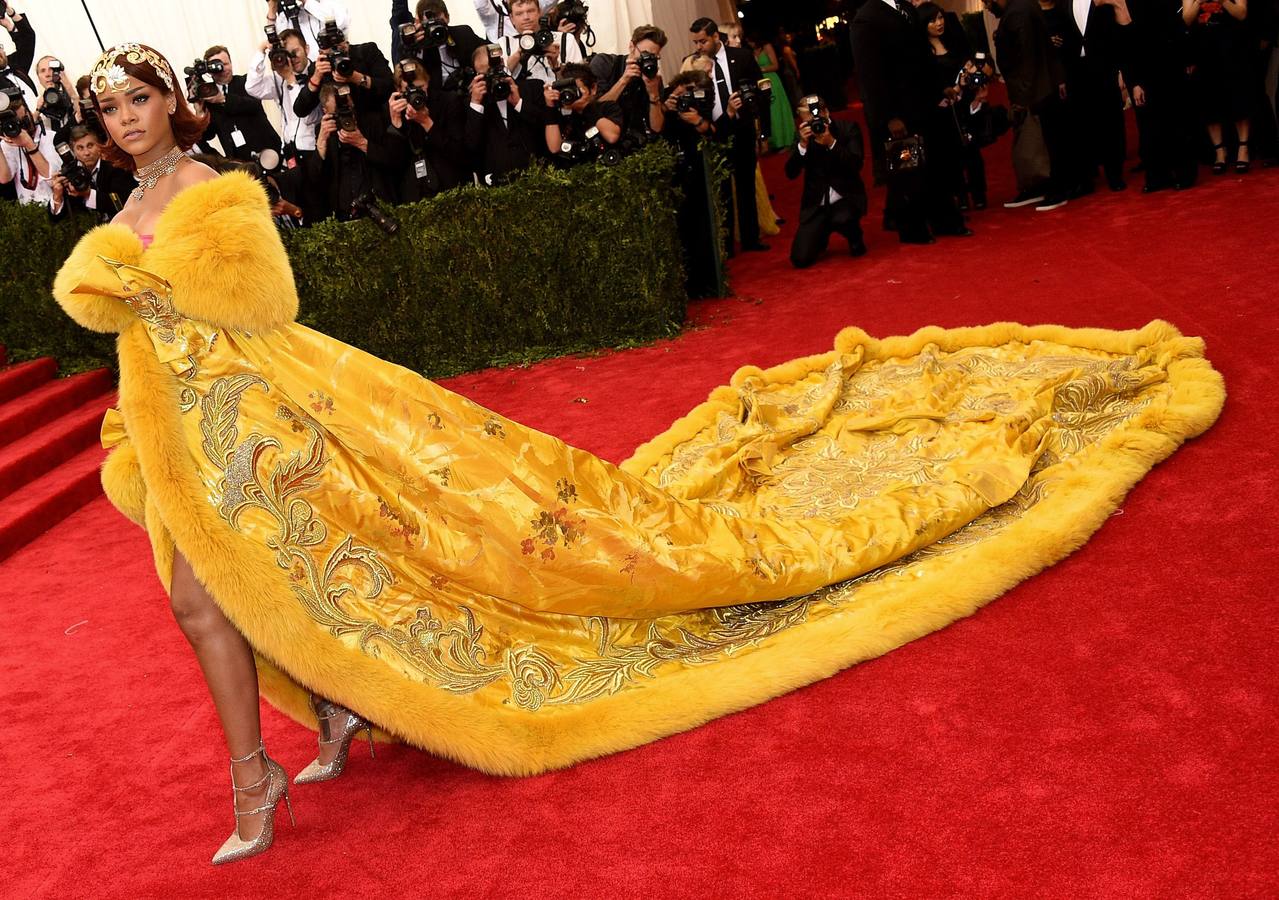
916, 239
1151, 186
754, 248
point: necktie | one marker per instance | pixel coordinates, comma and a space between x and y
721, 83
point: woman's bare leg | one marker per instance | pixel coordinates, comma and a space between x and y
227, 662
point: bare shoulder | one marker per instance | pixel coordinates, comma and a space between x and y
193, 172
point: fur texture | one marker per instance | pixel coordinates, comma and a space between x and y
295, 654
123, 484
216, 245
95, 311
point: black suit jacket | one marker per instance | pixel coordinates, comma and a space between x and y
463, 42
894, 66
113, 185
367, 59
1103, 40
742, 69
498, 149
245, 112
838, 167
1026, 56
441, 148
24, 52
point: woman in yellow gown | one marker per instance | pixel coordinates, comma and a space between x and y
489, 593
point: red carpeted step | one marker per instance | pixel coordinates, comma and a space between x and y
31, 456
24, 414
46, 501
17, 380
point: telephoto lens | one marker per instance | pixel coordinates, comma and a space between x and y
369, 205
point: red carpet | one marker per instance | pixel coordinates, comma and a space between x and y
1106, 729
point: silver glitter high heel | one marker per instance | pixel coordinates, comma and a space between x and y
330, 713
277, 781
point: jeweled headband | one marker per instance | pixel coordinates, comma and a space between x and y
109, 75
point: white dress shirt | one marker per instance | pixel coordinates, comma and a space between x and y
20, 166
538, 66
262, 82
1080, 9
491, 18
311, 21
722, 58
832, 195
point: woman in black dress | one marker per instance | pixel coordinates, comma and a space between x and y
1219, 52
965, 170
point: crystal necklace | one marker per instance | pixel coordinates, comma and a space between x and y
151, 173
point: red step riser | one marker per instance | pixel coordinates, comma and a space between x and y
24, 468
17, 380
32, 523
36, 408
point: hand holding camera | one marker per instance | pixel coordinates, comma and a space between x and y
479, 89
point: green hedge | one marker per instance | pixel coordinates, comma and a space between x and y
557, 262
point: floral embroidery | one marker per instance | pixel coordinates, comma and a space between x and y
567, 491
321, 402
493, 428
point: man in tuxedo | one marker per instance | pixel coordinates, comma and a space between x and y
895, 69
370, 81
1094, 54
307, 17
829, 155
731, 68
503, 135
108, 190
423, 142
237, 120
440, 62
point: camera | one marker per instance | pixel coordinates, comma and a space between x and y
344, 114
573, 11
460, 79
90, 119
818, 124
648, 64
590, 148
435, 33
73, 170
201, 84
570, 93
497, 79
369, 205
694, 100
973, 76
276, 53
10, 99
414, 93
538, 42
755, 95
57, 105
330, 41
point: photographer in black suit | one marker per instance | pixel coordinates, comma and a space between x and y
731, 69
829, 155
505, 122
347, 165
236, 119
369, 77
895, 69
424, 139
109, 187
443, 60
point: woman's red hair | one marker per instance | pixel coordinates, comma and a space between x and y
187, 126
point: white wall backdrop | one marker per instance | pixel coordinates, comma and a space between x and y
183, 29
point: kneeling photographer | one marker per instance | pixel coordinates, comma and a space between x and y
581, 128
829, 155
85, 182
424, 140
689, 106
347, 166
634, 81
505, 120
27, 155
361, 67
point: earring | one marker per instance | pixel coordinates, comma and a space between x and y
173, 107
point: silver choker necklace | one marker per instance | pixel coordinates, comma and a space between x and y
149, 175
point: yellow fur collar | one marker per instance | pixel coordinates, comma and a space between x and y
215, 243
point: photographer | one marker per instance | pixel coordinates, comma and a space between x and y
57, 96
307, 17
108, 186
495, 16
15, 67
505, 120
27, 157
829, 155
424, 140
733, 69
277, 74
634, 81
577, 117
362, 67
445, 50
536, 50
568, 17
236, 118
347, 165
689, 106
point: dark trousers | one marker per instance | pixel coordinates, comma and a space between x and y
1096, 110
1169, 133
974, 174
921, 203
1063, 167
741, 158
817, 224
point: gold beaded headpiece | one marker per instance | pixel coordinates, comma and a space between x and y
109, 75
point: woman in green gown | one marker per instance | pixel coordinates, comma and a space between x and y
780, 114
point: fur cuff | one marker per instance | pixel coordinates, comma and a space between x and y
97, 312
218, 246
123, 484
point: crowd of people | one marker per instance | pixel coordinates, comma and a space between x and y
455, 107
